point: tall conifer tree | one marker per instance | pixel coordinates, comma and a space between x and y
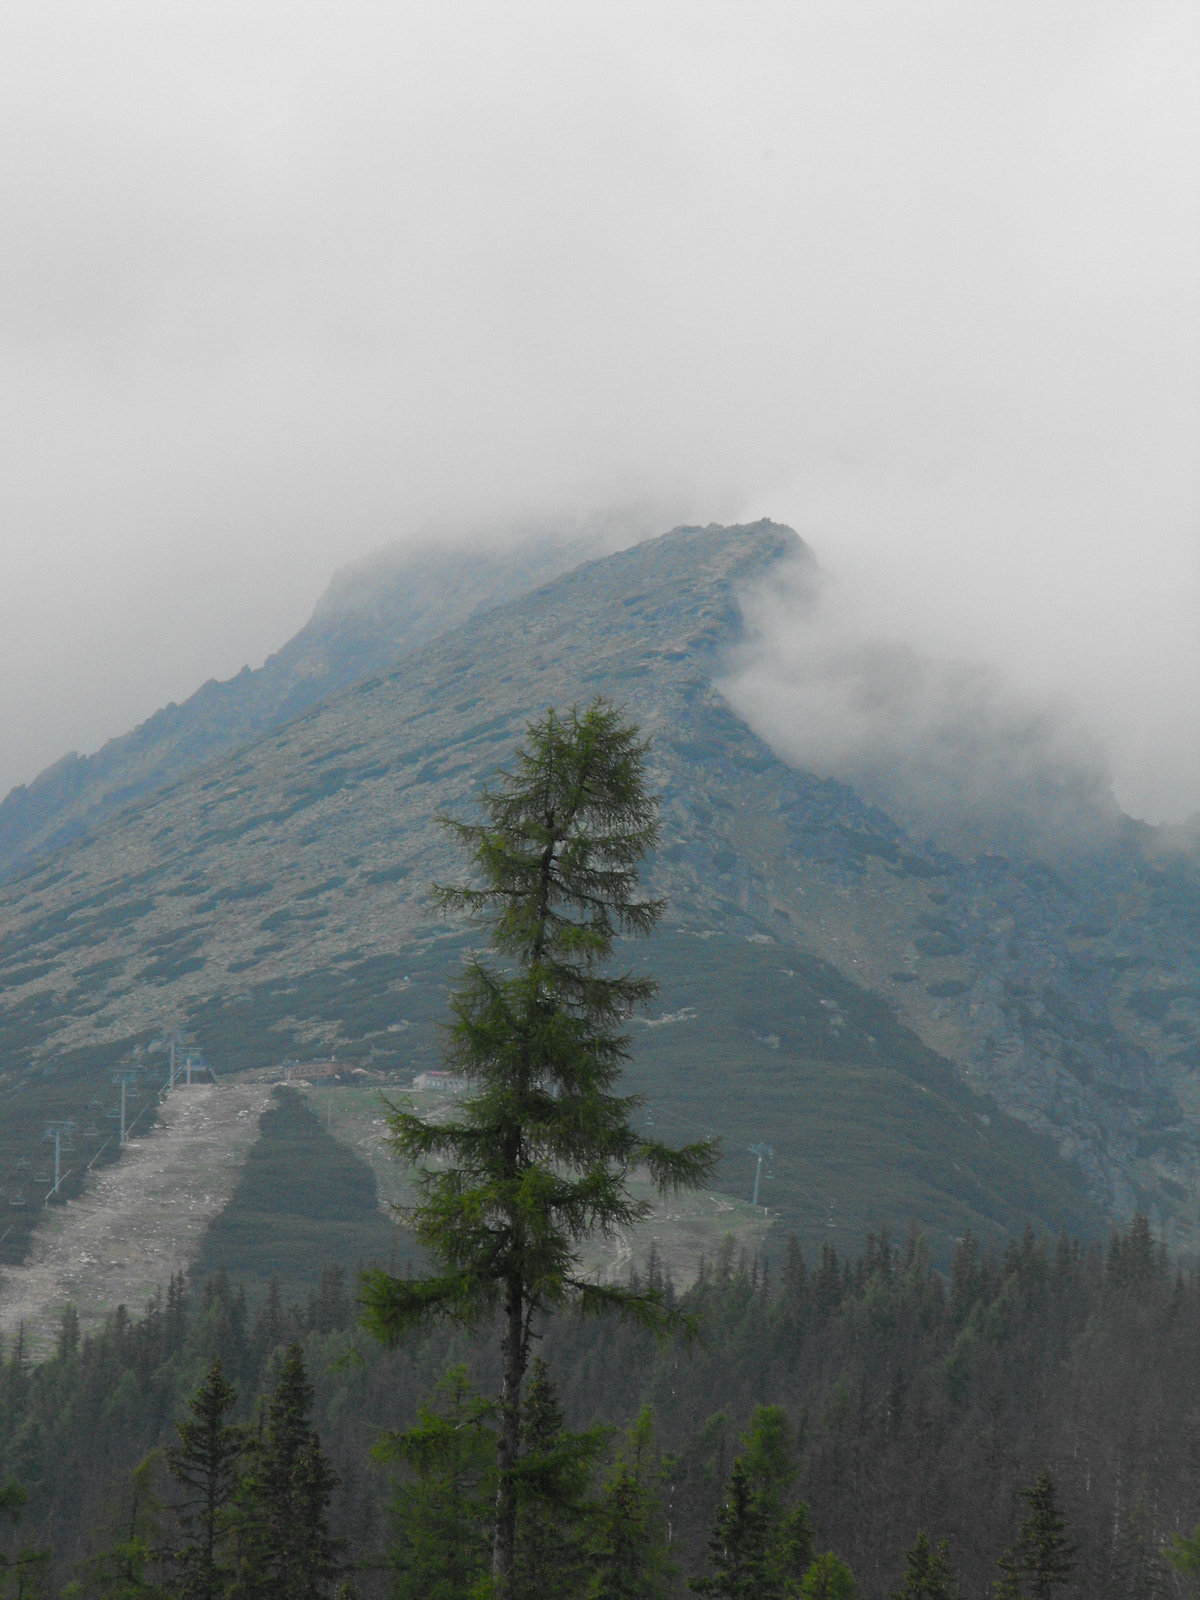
537, 1157
442, 1513
630, 1556
284, 1547
928, 1574
738, 1546
757, 1546
556, 1471
124, 1566
206, 1463
24, 1573
1043, 1556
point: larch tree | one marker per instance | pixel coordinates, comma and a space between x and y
537, 1157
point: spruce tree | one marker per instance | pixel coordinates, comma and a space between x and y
738, 1546
1047, 1557
1138, 1570
768, 1454
1042, 1556
24, 1572
928, 1574
630, 1554
284, 1547
1183, 1553
442, 1512
537, 1156
556, 1470
269, 1326
771, 1463
206, 1463
792, 1550
1008, 1584
756, 1545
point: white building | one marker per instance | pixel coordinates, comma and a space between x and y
448, 1082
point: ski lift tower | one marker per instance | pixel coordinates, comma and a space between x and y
61, 1133
124, 1079
760, 1150
173, 1040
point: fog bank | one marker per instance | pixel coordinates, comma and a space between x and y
947, 747
288, 283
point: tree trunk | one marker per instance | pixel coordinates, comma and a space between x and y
508, 1451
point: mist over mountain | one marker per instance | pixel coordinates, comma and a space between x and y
946, 747
972, 1038
372, 613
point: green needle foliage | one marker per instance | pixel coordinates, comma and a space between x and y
758, 1547
1183, 1553
442, 1513
738, 1544
24, 1573
205, 1464
1138, 1567
122, 1568
538, 1156
284, 1547
556, 1472
1008, 1584
928, 1574
828, 1579
630, 1553
1043, 1555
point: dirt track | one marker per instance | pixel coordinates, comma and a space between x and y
140, 1220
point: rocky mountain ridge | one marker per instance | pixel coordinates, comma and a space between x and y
274, 902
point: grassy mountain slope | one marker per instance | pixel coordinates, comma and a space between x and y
761, 1044
273, 903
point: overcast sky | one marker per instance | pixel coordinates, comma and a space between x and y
281, 284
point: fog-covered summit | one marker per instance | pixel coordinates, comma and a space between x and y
276, 904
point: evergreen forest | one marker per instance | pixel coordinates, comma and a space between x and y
851, 1417
485, 1420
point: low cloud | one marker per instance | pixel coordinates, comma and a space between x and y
947, 747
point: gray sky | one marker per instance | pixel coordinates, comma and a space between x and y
281, 284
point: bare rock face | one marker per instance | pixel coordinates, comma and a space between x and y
274, 904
